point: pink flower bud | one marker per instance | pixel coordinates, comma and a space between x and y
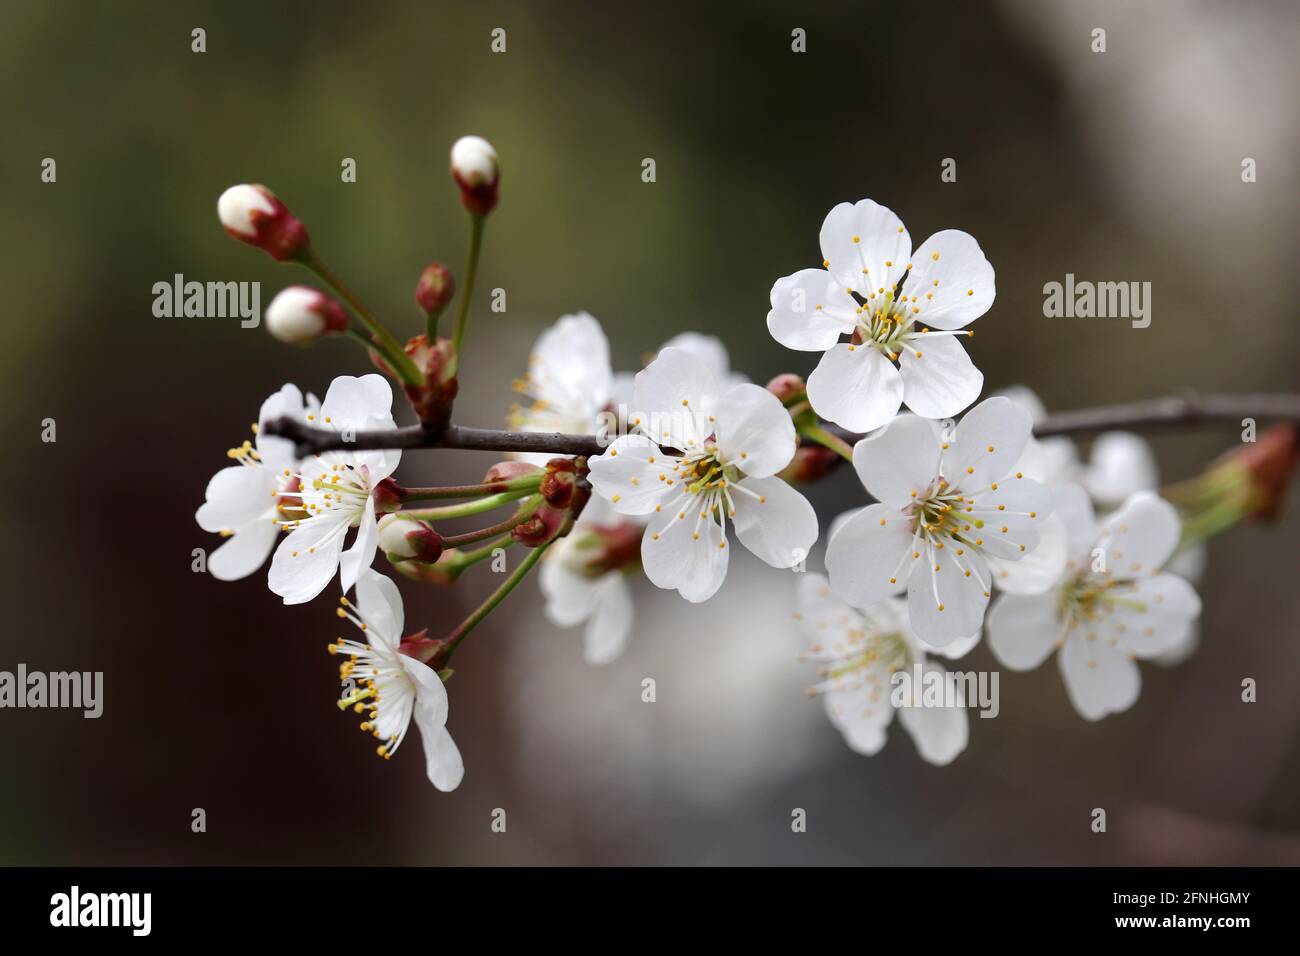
787, 386
436, 287
545, 525
474, 167
254, 215
507, 470
301, 314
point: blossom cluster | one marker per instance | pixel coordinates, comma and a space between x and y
967, 525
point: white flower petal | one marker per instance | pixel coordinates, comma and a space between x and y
1074, 510
570, 363
307, 558
1121, 464
352, 401
610, 626
986, 444
709, 350
236, 496
362, 553
683, 552
628, 475
380, 604
855, 387
965, 288
1013, 514
865, 554
810, 311
943, 381
1153, 617
860, 719
1139, 538
1099, 679
865, 246
898, 462
940, 733
570, 597
946, 605
674, 397
754, 431
1023, 629
1039, 568
779, 527
443, 763
243, 553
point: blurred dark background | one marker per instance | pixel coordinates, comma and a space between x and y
1117, 166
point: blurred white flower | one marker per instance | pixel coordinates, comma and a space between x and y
860, 650
390, 687
1112, 605
867, 253
584, 580
732, 443
249, 502
945, 508
569, 382
337, 493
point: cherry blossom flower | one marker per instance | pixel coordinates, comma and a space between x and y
1112, 606
584, 580
902, 309
250, 501
392, 688
860, 650
569, 381
337, 493
944, 508
724, 450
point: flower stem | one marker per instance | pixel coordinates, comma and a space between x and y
467, 290
467, 509
526, 483
467, 558
453, 639
401, 362
470, 537
368, 343
822, 437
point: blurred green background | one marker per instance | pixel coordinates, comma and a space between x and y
1116, 166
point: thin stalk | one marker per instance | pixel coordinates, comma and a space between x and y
495, 598
467, 291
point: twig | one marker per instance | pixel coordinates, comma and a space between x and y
1169, 412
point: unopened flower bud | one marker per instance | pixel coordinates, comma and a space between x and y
300, 315
254, 215
388, 495
474, 167
787, 386
810, 462
404, 539
433, 400
544, 525
557, 484
436, 287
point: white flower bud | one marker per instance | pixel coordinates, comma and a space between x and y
300, 314
237, 207
404, 539
475, 169
254, 215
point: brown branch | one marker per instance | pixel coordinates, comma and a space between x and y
1170, 412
